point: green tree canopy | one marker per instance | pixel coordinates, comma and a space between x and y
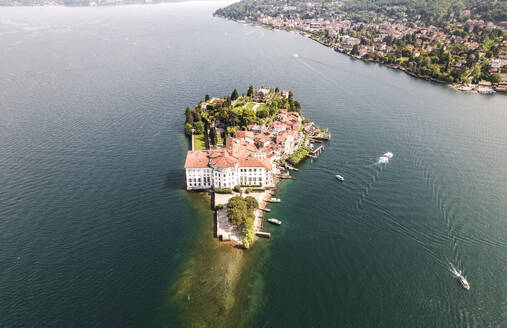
251, 202
250, 91
199, 127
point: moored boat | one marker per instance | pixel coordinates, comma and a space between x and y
275, 200
275, 221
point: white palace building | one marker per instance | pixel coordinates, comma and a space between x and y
247, 159
239, 163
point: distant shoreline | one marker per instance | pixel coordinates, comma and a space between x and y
468, 88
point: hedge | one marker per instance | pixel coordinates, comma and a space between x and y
223, 190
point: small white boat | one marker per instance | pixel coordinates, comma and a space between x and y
383, 160
388, 155
464, 282
274, 200
275, 221
339, 177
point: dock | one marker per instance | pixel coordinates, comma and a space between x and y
263, 234
285, 176
292, 168
265, 209
317, 150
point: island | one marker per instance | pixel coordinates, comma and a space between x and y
462, 43
241, 147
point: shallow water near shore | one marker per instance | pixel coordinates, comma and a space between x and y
97, 229
218, 285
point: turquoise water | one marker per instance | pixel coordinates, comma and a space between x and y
96, 229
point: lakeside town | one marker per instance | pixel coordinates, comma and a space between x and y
242, 146
464, 51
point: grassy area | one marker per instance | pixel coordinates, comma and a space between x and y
200, 143
261, 106
240, 102
250, 105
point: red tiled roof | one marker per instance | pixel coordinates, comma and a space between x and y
244, 134
221, 159
197, 159
255, 162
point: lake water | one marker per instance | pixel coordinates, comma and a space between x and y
96, 229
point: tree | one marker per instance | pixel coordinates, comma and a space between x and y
355, 50
234, 94
213, 136
188, 128
196, 116
248, 230
297, 106
189, 115
206, 98
495, 78
237, 210
227, 102
251, 202
250, 91
262, 113
248, 116
199, 127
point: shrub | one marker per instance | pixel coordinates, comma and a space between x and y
223, 190
251, 202
237, 188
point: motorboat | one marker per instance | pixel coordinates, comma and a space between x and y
388, 155
340, 178
275, 221
463, 281
274, 200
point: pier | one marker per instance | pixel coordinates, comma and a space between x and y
265, 209
288, 167
263, 234
317, 150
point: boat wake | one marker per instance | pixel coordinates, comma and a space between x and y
456, 273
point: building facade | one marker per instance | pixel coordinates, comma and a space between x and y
206, 169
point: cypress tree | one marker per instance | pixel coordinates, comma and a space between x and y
234, 95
